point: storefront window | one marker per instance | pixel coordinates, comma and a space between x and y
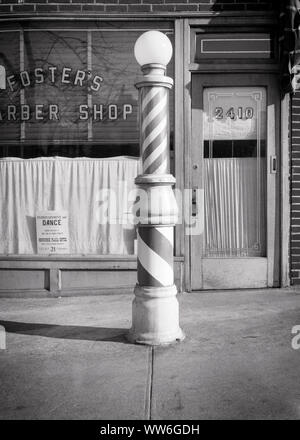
69, 138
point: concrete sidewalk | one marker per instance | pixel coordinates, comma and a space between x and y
67, 358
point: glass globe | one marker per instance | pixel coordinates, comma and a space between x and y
153, 47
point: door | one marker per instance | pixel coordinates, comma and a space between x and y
234, 177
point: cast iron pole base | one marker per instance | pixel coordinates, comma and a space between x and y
155, 316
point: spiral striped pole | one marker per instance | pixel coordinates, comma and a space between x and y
155, 310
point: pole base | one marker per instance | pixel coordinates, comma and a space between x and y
155, 316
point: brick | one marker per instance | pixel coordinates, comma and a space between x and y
70, 8
59, 1
8, 2
296, 237
295, 282
116, 8
92, 8
204, 7
4, 9
154, 2
139, 8
174, 1
295, 251
23, 8
129, 2
104, 1
295, 221
163, 8
36, 1
186, 8
260, 7
296, 229
46, 8
234, 7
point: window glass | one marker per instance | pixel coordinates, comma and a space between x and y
69, 147
234, 131
71, 92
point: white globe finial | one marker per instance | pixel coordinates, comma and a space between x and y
153, 47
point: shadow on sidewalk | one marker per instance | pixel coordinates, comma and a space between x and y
67, 331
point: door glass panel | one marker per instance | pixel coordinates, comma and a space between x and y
234, 133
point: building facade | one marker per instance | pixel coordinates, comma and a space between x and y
70, 143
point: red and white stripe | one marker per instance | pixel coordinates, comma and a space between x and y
155, 256
154, 130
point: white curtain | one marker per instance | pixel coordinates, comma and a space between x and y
80, 186
234, 211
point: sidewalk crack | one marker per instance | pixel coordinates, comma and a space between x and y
149, 386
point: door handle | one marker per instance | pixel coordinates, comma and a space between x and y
273, 164
194, 202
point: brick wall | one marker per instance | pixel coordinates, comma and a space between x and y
295, 190
130, 6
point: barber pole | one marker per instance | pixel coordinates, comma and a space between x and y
155, 309
154, 131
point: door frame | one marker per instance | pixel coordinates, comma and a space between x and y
199, 81
185, 67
